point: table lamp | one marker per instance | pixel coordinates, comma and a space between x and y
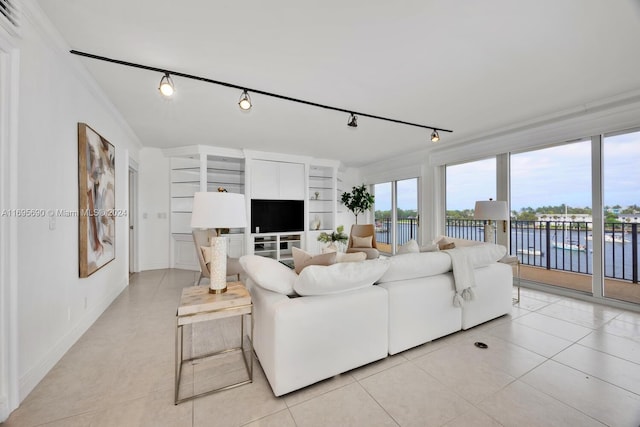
214, 210
490, 211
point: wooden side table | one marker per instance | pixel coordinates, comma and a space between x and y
198, 305
513, 261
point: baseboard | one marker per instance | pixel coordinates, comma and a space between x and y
154, 266
31, 379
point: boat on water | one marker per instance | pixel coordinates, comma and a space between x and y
569, 246
530, 251
611, 238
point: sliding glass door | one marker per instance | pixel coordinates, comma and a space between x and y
396, 213
621, 198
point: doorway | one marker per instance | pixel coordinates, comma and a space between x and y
397, 218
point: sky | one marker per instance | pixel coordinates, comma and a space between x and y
547, 177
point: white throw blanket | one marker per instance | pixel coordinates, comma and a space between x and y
462, 275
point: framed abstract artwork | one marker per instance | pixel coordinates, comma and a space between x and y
96, 194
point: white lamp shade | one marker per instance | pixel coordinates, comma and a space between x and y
491, 210
218, 210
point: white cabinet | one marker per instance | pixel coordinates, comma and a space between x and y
276, 246
277, 180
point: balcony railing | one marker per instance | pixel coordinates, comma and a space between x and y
406, 229
565, 246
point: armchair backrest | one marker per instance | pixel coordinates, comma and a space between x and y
363, 230
201, 238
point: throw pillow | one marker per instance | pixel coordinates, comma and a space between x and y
269, 273
430, 248
362, 242
411, 247
206, 253
351, 257
302, 259
444, 244
341, 277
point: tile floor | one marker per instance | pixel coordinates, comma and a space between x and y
553, 362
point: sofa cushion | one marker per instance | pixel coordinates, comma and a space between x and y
433, 247
302, 259
362, 242
269, 274
341, 277
445, 243
411, 247
351, 257
422, 264
483, 254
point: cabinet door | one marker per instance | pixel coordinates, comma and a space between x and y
291, 181
264, 180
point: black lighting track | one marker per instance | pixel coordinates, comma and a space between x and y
261, 92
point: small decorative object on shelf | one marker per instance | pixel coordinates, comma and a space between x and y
316, 223
337, 236
317, 194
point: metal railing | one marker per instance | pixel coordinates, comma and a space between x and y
565, 246
406, 229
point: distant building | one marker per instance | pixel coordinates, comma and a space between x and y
558, 218
629, 218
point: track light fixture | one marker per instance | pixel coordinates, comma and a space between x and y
353, 121
166, 87
245, 101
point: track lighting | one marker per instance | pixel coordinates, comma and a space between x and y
166, 87
353, 121
245, 101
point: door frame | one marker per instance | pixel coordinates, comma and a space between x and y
132, 217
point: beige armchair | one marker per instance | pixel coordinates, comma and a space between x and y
201, 238
362, 232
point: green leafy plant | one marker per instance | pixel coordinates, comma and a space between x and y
358, 201
336, 236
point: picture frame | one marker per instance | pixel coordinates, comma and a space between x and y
96, 199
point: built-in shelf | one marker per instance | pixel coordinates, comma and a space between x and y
276, 246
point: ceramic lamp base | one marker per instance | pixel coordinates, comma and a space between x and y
218, 266
489, 232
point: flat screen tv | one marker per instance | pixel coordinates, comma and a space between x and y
276, 216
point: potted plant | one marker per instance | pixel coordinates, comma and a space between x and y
358, 200
335, 236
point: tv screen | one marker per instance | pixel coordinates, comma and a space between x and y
276, 216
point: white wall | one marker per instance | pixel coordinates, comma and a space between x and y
154, 205
55, 306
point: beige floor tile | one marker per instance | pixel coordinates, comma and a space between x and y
530, 304
279, 419
532, 339
318, 389
379, 366
350, 406
522, 405
623, 328
614, 345
608, 368
593, 319
553, 326
629, 316
475, 417
413, 397
600, 400
237, 406
423, 349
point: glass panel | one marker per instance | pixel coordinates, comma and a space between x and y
406, 210
467, 183
383, 216
551, 215
621, 197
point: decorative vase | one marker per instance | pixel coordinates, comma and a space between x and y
316, 223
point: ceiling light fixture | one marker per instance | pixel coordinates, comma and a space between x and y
245, 101
167, 74
353, 121
166, 86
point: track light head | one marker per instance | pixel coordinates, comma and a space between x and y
353, 121
166, 87
245, 101
434, 136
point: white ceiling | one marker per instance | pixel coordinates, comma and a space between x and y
471, 66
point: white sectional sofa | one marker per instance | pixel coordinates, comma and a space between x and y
300, 340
